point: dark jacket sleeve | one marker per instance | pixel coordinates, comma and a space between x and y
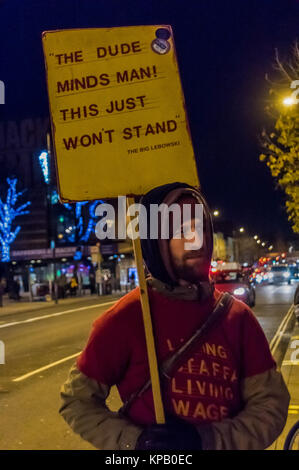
264, 394
261, 421
84, 409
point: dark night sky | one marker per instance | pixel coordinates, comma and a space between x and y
224, 50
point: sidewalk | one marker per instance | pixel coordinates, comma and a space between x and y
290, 372
14, 307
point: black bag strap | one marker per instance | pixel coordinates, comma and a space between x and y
169, 366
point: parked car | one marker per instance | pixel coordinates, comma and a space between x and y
279, 274
236, 283
294, 270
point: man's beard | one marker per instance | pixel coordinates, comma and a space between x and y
193, 273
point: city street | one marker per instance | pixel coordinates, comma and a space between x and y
40, 347
157, 139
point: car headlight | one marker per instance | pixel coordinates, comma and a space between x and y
239, 291
286, 274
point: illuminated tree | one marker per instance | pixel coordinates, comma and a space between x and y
83, 236
44, 161
8, 212
281, 143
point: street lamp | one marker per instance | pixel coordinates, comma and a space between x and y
263, 244
258, 242
255, 237
289, 101
242, 229
216, 213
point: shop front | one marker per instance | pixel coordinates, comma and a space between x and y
37, 271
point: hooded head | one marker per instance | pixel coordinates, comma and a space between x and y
168, 260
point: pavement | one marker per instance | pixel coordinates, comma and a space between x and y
12, 307
290, 372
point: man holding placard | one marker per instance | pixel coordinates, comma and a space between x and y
118, 110
220, 386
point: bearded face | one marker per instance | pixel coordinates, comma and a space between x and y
189, 265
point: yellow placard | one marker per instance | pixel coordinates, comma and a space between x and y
117, 108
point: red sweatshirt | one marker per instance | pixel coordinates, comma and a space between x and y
206, 387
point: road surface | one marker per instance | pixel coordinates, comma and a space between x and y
40, 347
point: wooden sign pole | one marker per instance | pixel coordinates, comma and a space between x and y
149, 336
